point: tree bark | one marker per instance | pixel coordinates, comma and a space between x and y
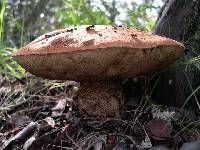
178, 20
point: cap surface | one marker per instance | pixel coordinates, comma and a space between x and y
97, 52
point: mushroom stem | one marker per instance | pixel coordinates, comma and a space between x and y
100, 99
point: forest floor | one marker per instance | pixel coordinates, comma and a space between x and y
40, 114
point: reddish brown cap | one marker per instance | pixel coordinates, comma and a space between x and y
97, 52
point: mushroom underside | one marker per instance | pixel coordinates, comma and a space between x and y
116, 63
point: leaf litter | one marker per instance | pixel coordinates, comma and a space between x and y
46, 117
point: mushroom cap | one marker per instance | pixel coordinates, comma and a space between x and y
97, 52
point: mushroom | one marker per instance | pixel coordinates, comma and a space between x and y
100, 57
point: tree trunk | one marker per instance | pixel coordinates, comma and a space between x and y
179, 20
